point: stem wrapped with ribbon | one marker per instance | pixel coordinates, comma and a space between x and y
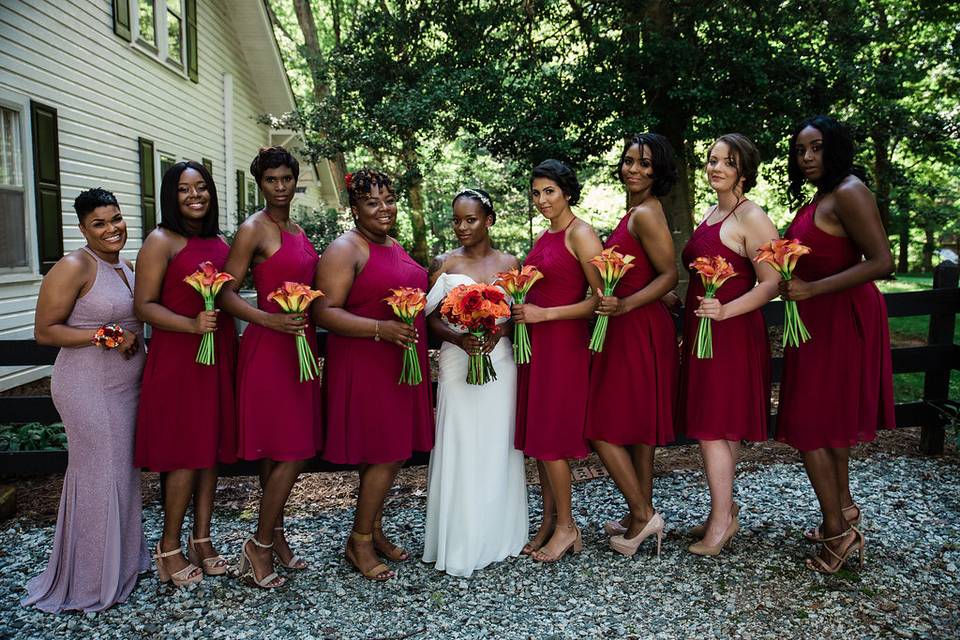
207, 281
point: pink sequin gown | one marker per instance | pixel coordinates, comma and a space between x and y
837, 388
98, 546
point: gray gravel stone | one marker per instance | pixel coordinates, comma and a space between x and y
758, 588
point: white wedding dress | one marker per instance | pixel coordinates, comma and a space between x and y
477, 492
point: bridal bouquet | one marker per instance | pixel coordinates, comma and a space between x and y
518, 282
713, 272
407, 303
294, 297
783, 255
476, 307
612, 266
207, 280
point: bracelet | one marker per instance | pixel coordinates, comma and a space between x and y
108, 336
376, 336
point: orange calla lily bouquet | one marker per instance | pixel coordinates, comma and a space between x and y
783, 255
612, 267
407, 303
476, 307
517, 283
294, 297
207, 281
713, 272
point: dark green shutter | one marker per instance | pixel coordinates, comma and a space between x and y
121, 18
148, 187
208, 163
192, 64
46, 182
241, 200
260, 201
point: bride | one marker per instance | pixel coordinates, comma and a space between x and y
477, 493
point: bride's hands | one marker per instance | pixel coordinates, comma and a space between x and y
473, 345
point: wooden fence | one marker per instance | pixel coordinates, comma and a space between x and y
932, 412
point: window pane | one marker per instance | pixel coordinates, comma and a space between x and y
13, 233
148, 26
165, 163
11, 167
174, 51
173, 6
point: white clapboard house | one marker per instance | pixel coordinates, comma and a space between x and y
110, 93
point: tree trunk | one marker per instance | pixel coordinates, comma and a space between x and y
926, 264
881, 174
672, 120
311, 40
414, 183
903, 251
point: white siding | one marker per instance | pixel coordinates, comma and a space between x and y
108, 93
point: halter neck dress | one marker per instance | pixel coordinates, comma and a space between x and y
725, 397
837, 387
552, 389
98, 546
633, 381
371, 418
278, 416
187, 416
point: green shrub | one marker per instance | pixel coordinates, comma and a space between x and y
33, 436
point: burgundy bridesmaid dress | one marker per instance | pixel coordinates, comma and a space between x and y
278, 416
552, 390
633, 381
725, 397
370, 417
187, 416
837, 387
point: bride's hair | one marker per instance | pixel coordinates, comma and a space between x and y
478, 195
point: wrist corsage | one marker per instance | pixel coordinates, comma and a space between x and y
109, 336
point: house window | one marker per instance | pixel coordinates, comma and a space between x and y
166, 161
175, 32
146, 19
13, 194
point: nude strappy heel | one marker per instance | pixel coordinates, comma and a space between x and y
816, 536
818, 564
246, 563
296, 562
212, 566
575, 547
181, 578
379, 572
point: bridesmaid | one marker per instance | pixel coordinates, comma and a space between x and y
98, 547
724, 399
372, 421
552, 390
185, 439
278, 417
641, 344
477, 486
846, 366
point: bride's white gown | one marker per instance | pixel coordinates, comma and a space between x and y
477, 493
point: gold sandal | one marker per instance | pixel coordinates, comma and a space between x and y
379, 572
398, 554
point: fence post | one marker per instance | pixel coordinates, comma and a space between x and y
936, 384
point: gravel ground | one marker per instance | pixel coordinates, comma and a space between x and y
758, 588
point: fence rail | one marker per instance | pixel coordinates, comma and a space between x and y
935, 360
